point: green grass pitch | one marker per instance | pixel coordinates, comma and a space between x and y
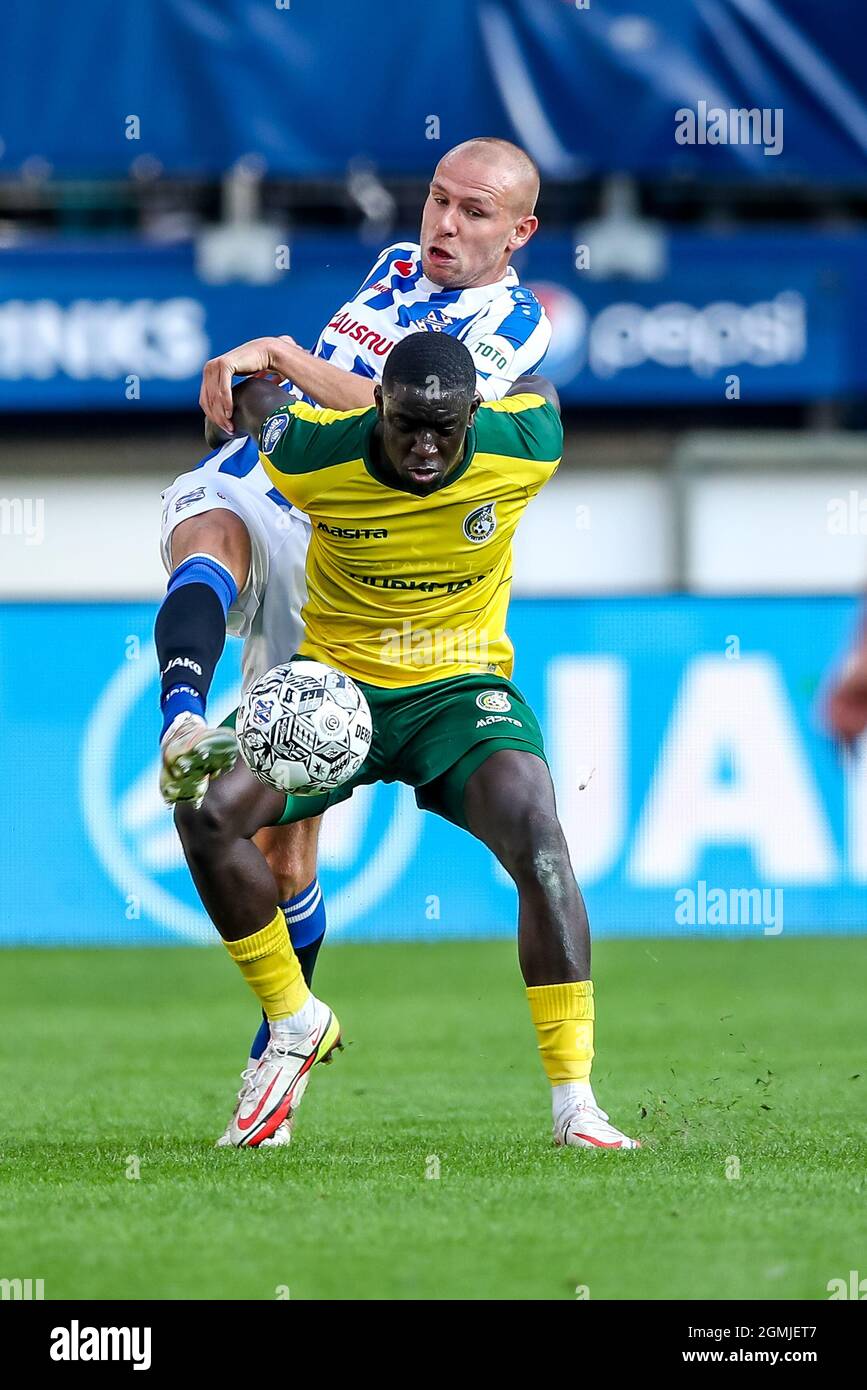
723, 1056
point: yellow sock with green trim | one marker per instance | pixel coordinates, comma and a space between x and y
563, 1016
271, 968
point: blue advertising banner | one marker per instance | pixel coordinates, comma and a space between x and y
758, 316
776, 86
697, 793
127, 325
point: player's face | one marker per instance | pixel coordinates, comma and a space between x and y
423, 438
469, 226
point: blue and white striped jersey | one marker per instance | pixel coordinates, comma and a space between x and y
503, 325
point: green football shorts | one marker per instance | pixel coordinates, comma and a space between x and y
433, 737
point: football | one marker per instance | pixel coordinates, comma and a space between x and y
304, 728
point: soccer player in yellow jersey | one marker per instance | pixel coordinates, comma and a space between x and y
413, 504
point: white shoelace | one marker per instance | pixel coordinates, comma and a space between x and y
247, 1077
285, 1047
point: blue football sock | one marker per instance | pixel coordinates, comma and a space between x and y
305, 918
261, 1040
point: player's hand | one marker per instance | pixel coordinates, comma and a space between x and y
846, 702
259, 355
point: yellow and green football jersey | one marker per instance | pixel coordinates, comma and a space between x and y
404, 589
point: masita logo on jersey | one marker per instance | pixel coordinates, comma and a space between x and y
273, 429
367, 842
353, 533
481, 524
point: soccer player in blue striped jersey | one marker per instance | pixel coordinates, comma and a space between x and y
457, 279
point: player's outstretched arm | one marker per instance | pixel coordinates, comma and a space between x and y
539, 385
329, 385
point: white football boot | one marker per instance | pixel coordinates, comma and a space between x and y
282, 1134
585, 1126
193, 753
277, 1086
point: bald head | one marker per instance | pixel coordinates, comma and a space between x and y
479, 212
501, 162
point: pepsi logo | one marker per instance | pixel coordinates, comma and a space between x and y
569, 323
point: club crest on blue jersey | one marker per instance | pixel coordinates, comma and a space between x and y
481, 524
435, 322
274, 427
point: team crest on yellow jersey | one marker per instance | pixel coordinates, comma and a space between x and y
481, 524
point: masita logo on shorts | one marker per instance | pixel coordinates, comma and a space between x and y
274, 427
481, 524
497, 701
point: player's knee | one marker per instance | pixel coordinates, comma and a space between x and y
290, 852
533, 849
219, 533
203, 829
291, 879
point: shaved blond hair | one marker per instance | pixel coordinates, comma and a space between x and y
520, 171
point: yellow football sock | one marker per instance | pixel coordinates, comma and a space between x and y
563, 1016
271, 968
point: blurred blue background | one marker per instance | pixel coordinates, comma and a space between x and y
686, 583
700, 767
144, 119
308, 86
